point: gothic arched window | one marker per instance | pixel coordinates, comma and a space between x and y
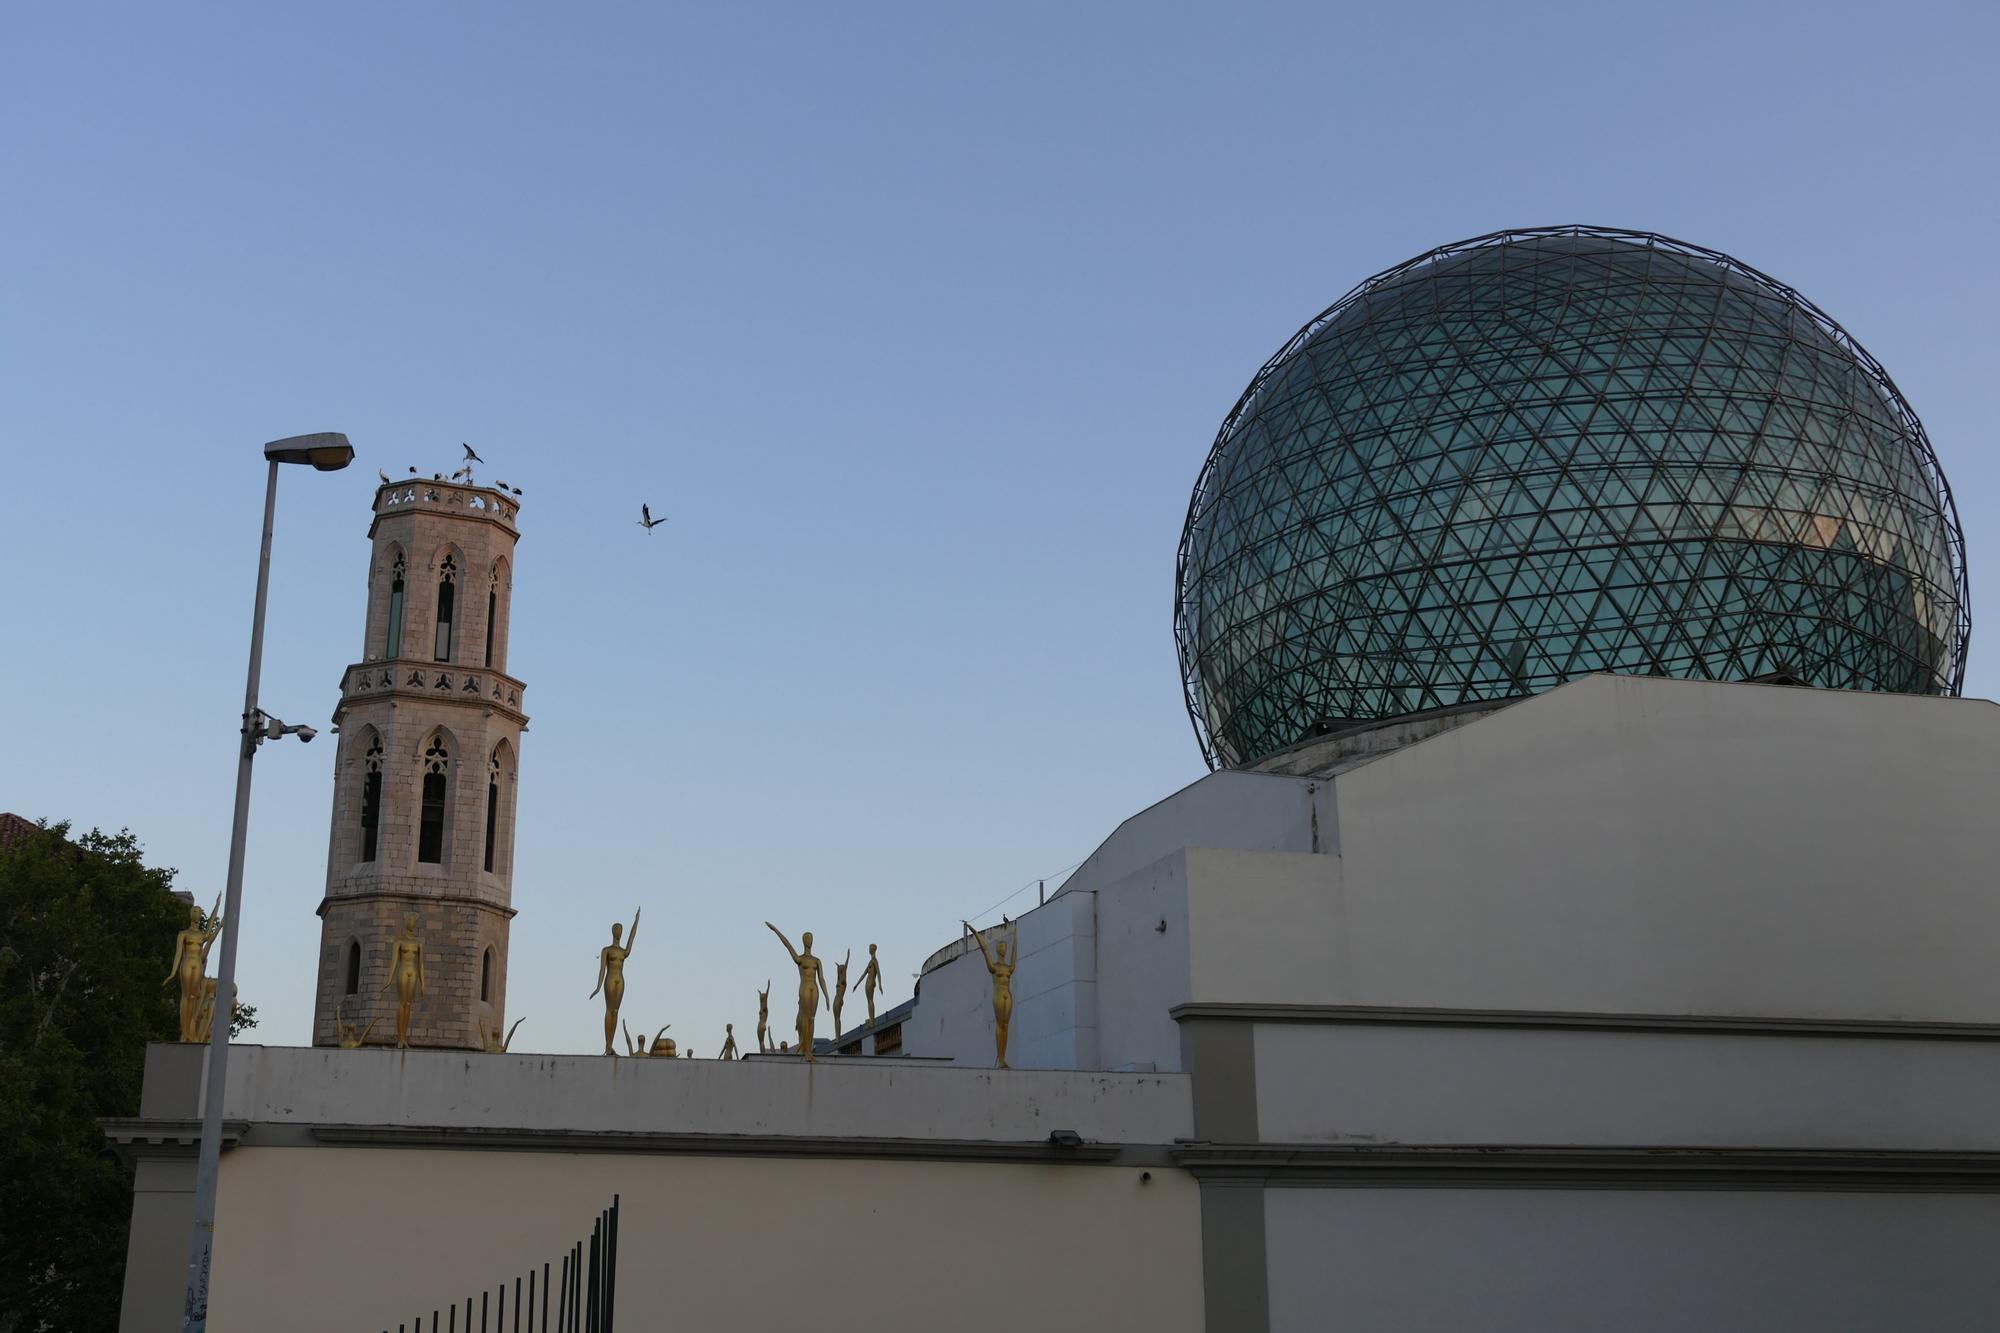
492, 806
395, 641
447, 597
430, 828
371, 799
353, 967
492, 607
486, 976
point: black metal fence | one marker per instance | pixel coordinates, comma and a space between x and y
580, 1297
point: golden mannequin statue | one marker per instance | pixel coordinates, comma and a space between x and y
729, 1042
764, 1018
191, 948
812, 986
639, 1047
350, 1037
663, 1045
493, 1042
406, 974
611, 976
204, 1015
1003, 988
870, 982
784, 1048
840, 990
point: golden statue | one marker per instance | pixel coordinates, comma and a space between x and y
870, 982
840, 990
406, 974
492, 1042
1003, 988
611, 976
784, 1048
729, 1044
812, 986
191, 948
662, 1044
764, 1019
204, 1021
350, 1036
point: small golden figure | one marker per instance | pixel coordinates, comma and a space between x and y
493, 1042
1003, 988
611, 976
350, 1037
870, 982
840, 990
729, 1042
191, 948
406, 974
204, 1017
812, 986
639, 1047
784, 1048
764, 1018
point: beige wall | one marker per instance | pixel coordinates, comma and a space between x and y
354, 1239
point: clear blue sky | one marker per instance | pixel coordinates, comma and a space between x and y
916, 319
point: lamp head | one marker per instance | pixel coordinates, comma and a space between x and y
327, 451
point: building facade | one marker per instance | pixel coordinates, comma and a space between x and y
430, 730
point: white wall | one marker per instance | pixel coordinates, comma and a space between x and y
1657, 1261
1418, 1084
1142, 942
350, 1239
1673, 847
1261, 812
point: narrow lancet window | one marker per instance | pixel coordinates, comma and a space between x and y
371, 799
486, 977
492, 605
430, 830
395, 642
447, 596
353, 967
492, 808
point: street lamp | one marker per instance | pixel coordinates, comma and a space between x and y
327, 452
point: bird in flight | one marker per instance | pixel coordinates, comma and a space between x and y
470, 456
646, 519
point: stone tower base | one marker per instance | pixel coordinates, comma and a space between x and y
457, 935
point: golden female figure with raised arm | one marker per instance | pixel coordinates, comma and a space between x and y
351, 1037
812, 986
406, 974
611, 976
764, 1019
1003, 988
494, 1043
191, 962
840, 990
871, 981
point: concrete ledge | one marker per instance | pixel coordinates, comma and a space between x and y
877, 1100
1531, 1018
1509, 1167
740, 1145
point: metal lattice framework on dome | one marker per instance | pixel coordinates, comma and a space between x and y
1542, 453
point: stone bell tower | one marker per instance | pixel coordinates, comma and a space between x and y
430, 730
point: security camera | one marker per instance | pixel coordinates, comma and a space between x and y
304, 732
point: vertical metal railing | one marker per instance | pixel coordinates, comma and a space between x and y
586, 1302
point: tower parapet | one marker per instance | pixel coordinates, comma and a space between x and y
430, 727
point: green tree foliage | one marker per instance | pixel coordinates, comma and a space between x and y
86, 937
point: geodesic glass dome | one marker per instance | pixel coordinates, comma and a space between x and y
1539, 454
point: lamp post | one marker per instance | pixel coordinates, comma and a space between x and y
327, 452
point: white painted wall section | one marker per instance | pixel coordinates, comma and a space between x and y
1650, 1261
1418, 1084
